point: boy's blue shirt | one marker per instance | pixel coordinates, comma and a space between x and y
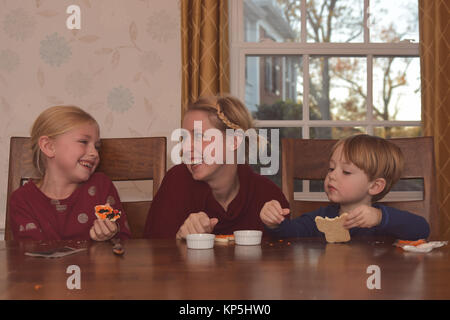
394, 223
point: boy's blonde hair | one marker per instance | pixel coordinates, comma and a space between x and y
53, 122
377, 157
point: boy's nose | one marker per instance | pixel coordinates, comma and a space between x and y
332, 175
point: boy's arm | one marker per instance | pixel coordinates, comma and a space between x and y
401, 224
300, 227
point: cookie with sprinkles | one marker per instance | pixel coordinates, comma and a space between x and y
107, 212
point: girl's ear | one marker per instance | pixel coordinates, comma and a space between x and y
377, 186
47, 146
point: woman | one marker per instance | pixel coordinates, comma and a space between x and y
219, 197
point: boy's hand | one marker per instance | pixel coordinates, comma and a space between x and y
103, 230
272, 214
196, 223
363, 217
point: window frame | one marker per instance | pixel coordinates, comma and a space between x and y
239, 50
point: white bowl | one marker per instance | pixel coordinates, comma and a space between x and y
200, 240
247, 237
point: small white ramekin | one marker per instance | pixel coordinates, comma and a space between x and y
200, 240
247, 237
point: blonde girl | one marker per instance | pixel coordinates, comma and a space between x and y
60, 204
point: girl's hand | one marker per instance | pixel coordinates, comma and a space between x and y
363, 217
196, 223
272, 214
103, 230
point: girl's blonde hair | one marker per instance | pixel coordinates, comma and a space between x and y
377, 157
227, 112
53, 122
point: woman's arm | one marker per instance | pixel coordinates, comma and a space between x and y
170, 206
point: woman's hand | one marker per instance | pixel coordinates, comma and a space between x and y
272, 214
103, 230
196, 223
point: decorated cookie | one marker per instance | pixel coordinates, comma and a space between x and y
333, 228
224, 238
107, 212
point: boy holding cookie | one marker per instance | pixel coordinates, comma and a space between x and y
362, 170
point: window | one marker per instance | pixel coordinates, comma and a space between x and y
328, 68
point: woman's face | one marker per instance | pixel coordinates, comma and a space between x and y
205, 154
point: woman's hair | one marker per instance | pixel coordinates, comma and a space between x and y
377, 157
225, 112
53, 122
228, 112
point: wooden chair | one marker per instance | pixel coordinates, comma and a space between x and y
122, 159
308, 160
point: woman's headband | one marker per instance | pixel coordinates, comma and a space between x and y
224, 119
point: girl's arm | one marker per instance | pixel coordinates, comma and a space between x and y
24, 225
122, 222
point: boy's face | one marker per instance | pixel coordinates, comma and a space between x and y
345, 183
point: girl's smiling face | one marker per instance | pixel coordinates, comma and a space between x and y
345, 183
75, 153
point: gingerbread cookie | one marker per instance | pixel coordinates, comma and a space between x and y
333, 228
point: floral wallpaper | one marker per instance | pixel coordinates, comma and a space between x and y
123, 66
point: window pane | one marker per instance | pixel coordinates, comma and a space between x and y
271, 20
396, 88
335, 21
314, 186
334, 133
273, 87
398, 132
393, 21
283, 133
338, 88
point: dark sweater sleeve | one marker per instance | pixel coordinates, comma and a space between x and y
24, 225
303, 226
267, 191
169, 207
396, 223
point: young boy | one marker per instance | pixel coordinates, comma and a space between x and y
362, 170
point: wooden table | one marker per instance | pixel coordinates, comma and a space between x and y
167, 269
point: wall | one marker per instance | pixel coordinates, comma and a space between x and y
123, 66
